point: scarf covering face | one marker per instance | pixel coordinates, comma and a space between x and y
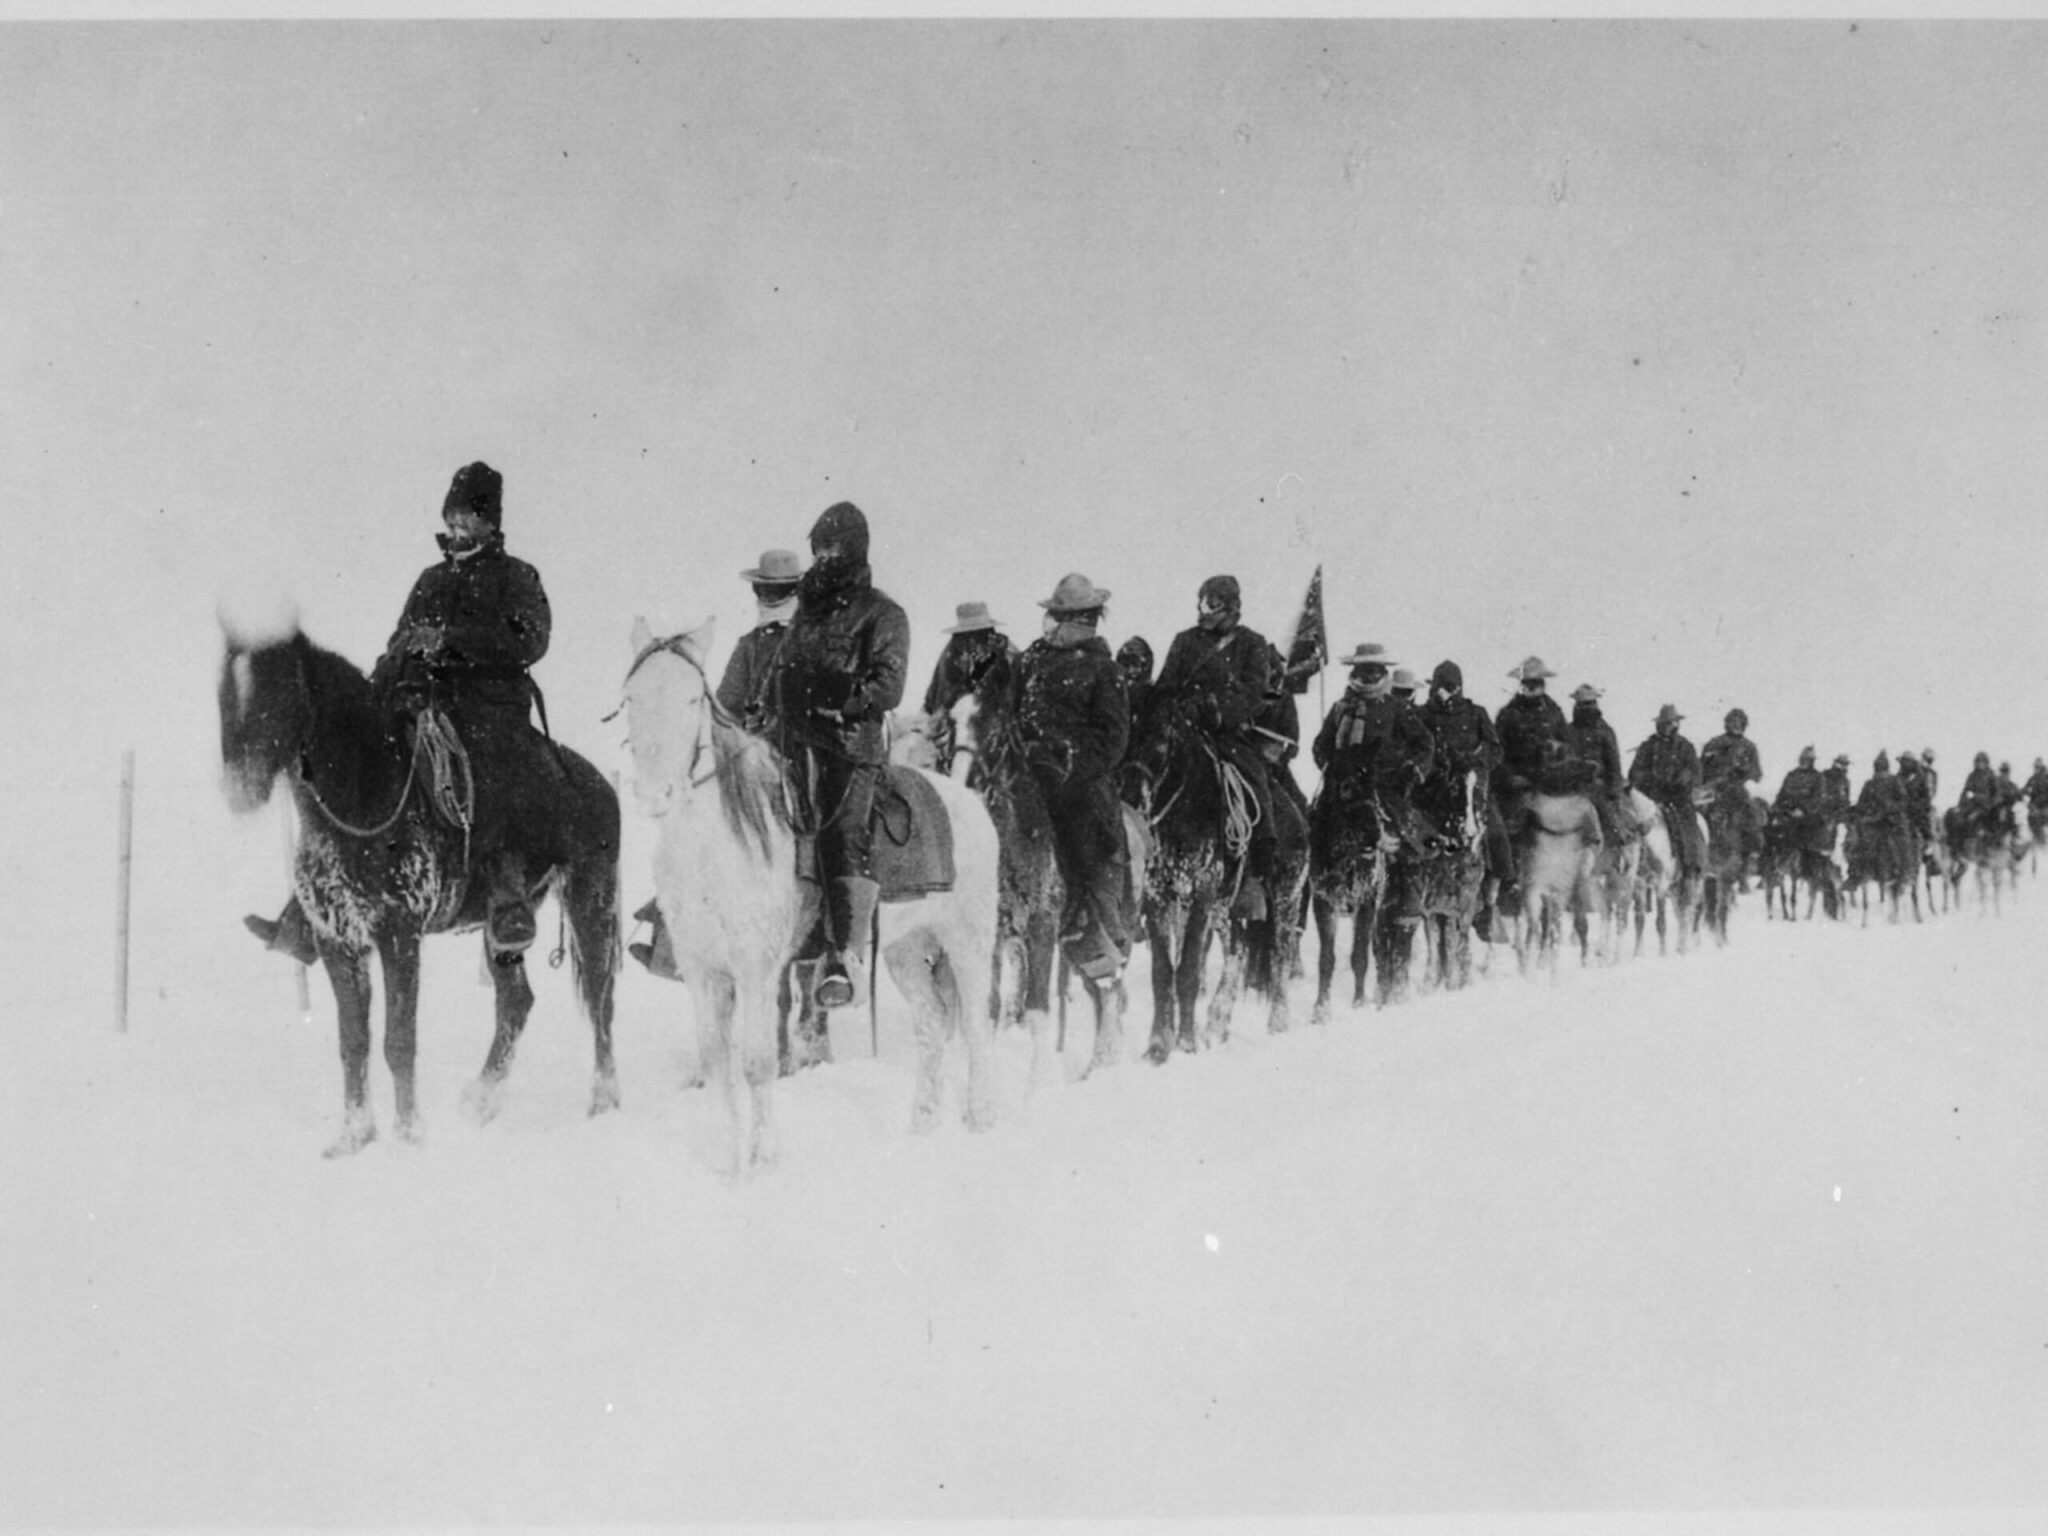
1063, 631
780, 612
1359, 688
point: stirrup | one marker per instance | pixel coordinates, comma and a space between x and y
512, 928
1250, 903
835, 985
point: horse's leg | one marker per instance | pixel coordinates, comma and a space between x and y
514, 1003
1229, 981
399, 950
1326, 954
1041, 952
754, 1028
958, 974
1365, 921
1194, 955
590, 896
912, 962
1163, 934
349, 975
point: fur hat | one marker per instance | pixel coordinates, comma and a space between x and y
1806, 755
1136, 651
1222, 592
1448, 676
1736, 720
477, 488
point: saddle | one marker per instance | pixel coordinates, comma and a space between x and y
913, 850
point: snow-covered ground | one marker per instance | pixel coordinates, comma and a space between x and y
1757, 1228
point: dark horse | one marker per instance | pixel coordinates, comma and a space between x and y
380, 865
990, 755
1176, 779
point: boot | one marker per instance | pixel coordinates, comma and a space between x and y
289, 934
509, 928
850, 914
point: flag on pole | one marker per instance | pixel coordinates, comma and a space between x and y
1309, 650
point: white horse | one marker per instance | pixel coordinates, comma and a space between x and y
1660, 886
725, 875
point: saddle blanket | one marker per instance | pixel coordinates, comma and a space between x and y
913, 854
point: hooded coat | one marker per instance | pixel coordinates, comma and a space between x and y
845, 654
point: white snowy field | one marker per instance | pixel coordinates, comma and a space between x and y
1757, 1229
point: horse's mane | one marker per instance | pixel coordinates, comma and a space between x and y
751, 790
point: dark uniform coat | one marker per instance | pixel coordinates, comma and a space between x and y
842, 667
1074, 718
1884, 829
1370, 748
1531, 727
744, 690
1802, 808
1222, 680
469, 630
1667, 769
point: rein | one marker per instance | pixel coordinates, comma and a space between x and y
673, 644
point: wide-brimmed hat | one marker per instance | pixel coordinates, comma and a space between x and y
1405, 681
1841, 760
1806, 752
1369, 654
1531, 669
778, 568
1075, 594
968, 617
1669, 715
1585, 693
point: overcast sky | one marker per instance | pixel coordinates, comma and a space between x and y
1704, 360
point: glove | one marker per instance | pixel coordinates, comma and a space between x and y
424, 639
1209, 712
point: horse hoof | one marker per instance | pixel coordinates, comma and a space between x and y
1158, 1051
980, 1118
357, 1132
1319, 1015
604, 1096
410, 1130
480, 1102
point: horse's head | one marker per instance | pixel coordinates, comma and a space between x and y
668, 705
264, 710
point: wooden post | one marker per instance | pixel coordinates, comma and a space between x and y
123, 886
286, 826
874, 983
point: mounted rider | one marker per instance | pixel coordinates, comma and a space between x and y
1839, 802
1134, 660
744, 686
1463, 741
1728, 766
1982, 800
1802, 807
472, 625
840, 672
1884, 827
1531, 727
743, 692
1595, 753
1916, 783
1217, 676
1373, 748
1073, 720
2036, 792
1666, 768
975, 640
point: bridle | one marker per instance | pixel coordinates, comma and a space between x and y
673, 644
